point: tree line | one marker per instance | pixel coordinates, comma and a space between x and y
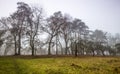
28, 32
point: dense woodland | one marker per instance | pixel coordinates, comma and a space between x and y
28, 31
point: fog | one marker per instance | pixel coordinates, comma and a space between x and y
97, 14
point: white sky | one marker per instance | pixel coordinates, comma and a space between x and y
97, 14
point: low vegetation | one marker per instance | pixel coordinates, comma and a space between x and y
60, 65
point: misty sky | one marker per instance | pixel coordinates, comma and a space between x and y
97, 14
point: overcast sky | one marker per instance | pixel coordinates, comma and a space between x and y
97, 14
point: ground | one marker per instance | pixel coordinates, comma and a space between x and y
60, 65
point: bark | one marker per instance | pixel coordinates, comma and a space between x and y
66, 43
33, 50
19, 46
15, 45
32, 45
103, 52
49, 46
66, 48
93, 53
57, 45
76, 51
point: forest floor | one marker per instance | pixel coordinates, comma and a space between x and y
59, 65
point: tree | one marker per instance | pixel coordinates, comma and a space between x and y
65, 31
118, 47
100, 39
13, 29
20, 17
78, 29
54, 23
5, 31
1, 35
91, 47
112, 41
3, 24
34, 22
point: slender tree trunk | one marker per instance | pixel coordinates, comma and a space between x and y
93, 53
103, 52
71, 47
15, 45
49, 47
56, 45
61, 47
65, 50
32, 45
19, 46
33, 50
66, 47
76, 49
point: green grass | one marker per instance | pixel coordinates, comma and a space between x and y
67, 65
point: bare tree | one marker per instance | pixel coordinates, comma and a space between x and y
54, 23
78, 29
34, 23
5, 28
13, 29
65, 31
20, 17
100, 39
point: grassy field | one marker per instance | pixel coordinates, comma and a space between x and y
60, 65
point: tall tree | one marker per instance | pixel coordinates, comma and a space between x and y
34, 23
54, 23
5, 28
14, 33
100, 39
65, 31
118, 48
78, 29
20, 17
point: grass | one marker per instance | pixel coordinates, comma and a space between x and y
63, 65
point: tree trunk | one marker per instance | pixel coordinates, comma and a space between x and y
61, 47
76, 49
93, 53
66, 48
71, 47
103, 52
32, 45
56, 45
19, 45
32, 50
49, 47
15, 45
